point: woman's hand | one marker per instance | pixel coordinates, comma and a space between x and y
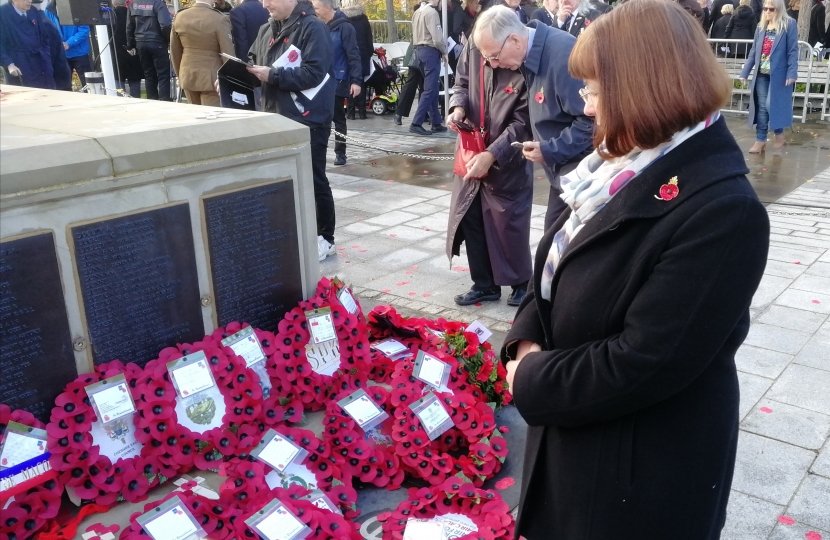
457, 115
479, 165
789, 82
743, 82
532, 152
524, 348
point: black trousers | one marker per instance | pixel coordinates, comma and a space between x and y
414, 83
323, 199
81, 65
339, 125
472, 227
555, 207
156, 64
357, 104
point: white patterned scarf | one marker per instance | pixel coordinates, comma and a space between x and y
594, 182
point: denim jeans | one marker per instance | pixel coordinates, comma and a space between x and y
429, 62
761, 110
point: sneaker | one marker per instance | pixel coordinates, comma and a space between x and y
340, 159
324, 249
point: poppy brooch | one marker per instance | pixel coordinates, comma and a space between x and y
668, 191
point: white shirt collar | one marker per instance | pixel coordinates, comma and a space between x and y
17, 10
531, 32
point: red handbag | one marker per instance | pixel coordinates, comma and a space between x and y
472, 143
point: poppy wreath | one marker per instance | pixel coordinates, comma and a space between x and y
218, 520
324, 524
29, 512
246, 476
456, 495
177, 447
477, 359
275, 409
78, 461
474, 431
369, 457
292, 374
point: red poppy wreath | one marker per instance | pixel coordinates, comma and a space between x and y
197, 422
318, 469
219, 520
369, 455
31, 510
100, 462
464, 511
321, 351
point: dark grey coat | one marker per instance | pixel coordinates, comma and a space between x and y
632, 404
507, 190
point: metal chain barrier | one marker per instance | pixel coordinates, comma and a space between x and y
430, 157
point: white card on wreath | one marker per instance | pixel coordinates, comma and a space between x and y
392, 348
480, 330
433, 415
423, 529
113, 402
432, 370
456, 525
173, 524
324, 357
19, 447
192, 377
320, 325
348, 301
245, 344
278, 453
363, 410
281, 524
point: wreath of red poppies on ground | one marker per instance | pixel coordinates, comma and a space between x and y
487, 378
246, 477
456, 495
31, 511
369, 457
77, 459
178, 448
292, 374
275, 409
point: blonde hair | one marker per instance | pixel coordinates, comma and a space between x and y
727, 9
780, 19
745, 3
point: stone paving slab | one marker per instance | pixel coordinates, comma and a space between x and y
781, 488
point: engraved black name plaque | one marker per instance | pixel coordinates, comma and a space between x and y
36, 357
254, 253
138, 281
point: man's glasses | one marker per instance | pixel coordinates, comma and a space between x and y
496, 56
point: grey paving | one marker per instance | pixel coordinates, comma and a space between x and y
768, 469
786, 423
811, 504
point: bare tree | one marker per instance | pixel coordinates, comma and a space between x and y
804, 19
390, 21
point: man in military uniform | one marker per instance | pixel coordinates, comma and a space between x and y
148, 33
200, 33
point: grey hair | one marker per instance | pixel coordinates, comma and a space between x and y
500, 22
333, 4
727, 9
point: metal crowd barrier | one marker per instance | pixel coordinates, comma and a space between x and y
812, 71
380, 31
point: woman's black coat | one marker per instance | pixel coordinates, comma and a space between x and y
632, 404
741, 26
127, 66
719, 28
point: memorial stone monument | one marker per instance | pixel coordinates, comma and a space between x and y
128, 225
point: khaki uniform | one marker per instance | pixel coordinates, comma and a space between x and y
199, 34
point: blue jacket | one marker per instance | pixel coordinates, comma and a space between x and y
246, 20
77, 37
347, 66
33, 44
783, 66
559, 122
282, 93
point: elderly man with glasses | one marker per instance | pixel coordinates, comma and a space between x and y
562, 132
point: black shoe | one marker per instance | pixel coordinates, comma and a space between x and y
350, 116
362, 116
340, 159
419, 130
473, 297
516, 297
439, 129
398, 120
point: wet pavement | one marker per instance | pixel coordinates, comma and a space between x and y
773, 173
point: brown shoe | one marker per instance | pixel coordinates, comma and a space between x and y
779, 142
757, 148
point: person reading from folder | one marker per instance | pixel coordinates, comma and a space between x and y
293, 58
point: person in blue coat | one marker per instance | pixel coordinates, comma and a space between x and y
773, 63
562, 132
75, 43
31, 50
246, 20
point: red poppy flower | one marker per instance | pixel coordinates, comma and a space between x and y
540, 96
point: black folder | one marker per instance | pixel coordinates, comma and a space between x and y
236, 86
